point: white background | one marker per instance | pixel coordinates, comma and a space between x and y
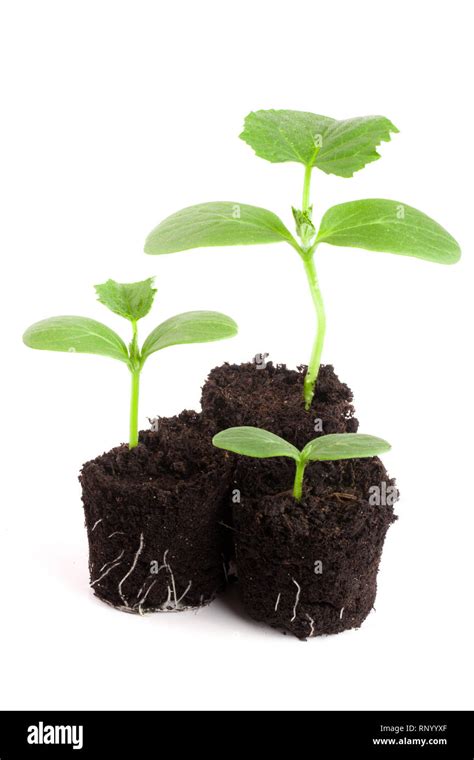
115, 114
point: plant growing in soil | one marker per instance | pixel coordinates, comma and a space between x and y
262, 444
334, 147
132, 301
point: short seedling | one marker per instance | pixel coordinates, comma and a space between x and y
132, 301
254, 442
335, 147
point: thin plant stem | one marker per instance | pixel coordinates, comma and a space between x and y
306, 187
307, 254
134, 408
135, 369
298, 484
315, 361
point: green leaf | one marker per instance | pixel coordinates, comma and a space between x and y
189, 327
335, 147
213, 224
388, 226
76, 335
254, 442
130, 300
344, 446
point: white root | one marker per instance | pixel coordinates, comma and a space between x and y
230, 527
117, 533
311, 625
297, 600
96, 524
130, 571
341, 613
174, 585
106, 573
173, 603
142, 600
277, 601
188, 588
111, 562
141, 588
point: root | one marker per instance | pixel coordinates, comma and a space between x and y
111, 562
311, 625
188, 588
130, 571
227, 526
341, 613
142, 600
277, 601
339, 495
96, 524
116, 533
297, 600
175, 605
106, 573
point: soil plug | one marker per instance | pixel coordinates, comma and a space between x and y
308, 543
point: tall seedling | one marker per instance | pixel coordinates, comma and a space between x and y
334, 147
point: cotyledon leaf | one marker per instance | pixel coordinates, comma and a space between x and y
388, 226
254, 442
75, 335
217, 224
344, 446
189, 327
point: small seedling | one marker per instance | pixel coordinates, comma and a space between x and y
254, 442
131, 301
334, 147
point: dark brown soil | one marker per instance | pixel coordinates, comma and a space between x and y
279, 543
153, 518
272, 398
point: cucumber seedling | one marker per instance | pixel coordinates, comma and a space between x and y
334, 147
261, 444
132, 301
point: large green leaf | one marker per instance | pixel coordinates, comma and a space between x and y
344, 446
130, 300
388, 226
76, 335
336, 147
254, 442
189, 327
211, 224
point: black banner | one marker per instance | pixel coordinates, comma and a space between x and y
323, 734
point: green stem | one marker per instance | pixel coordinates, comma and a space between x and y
306, 187
134, 408
315, 361
298, 484
135, 369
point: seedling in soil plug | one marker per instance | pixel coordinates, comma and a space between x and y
261, 444
334, 147
132, 301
